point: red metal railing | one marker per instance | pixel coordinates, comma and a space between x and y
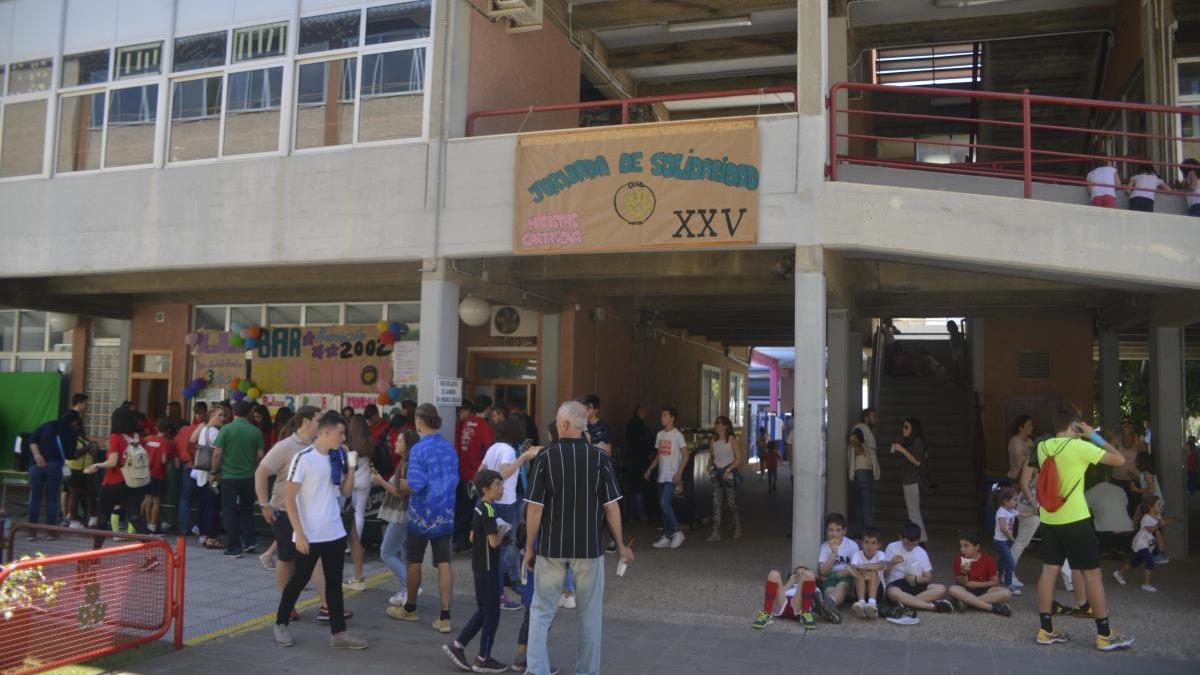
113, 592
1023, 161
625, 103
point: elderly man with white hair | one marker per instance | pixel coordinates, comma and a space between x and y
572, 483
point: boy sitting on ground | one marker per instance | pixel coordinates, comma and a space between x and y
866, 566
833, 566
788, 600
908, 576
977, 579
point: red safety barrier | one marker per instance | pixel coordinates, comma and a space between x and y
1026, 159
114, 592
624, 103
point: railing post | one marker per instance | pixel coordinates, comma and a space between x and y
1027, 128
180, 570
624, 112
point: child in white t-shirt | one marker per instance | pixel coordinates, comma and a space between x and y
1143, 185
1103, 182
1004, 535
670, 458
908, 574
866, 566
1145, 543
833, 568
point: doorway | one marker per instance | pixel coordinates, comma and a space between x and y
508, 377
150, 381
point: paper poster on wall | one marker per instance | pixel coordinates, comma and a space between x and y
275, 402
321, 401
406, 363
215, 360
359, 401
211, 395
326, 358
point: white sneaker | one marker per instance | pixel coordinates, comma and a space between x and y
1117, 575
567, 601
663, 542
1014, 589
398, 598
1149, 589
677, 540
355, 584
859, 609
1017, 583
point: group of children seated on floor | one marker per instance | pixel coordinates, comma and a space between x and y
899, 576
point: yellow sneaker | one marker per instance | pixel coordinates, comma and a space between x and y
1113, 642
401, 614
441, 625
1045, 637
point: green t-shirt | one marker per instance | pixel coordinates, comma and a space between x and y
240, 442
1072, 457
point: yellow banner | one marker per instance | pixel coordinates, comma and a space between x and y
649, 186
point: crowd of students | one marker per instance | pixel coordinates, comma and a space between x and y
1103, 182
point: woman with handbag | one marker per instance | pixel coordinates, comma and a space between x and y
911, 449
204, 437
393, 550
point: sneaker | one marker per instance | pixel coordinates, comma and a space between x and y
1149, 588
441, 625
824, 607
355, 584
488, 665
715, 536
401, 614
1059, 609
283, 636
1084, 611
1050, 637
860, 609
344, 640
677, 540
872, 611
1017, 583
399, 598
959, 605
662, 542
943, 607
457, 656
323, 614
1001, 608
807, 622
520, 666
508, 604
268, 562
252, 548
762, 620
1015, 590
567, 601
1117, 575
232, 553
1113, 642
1161, 559
908, 618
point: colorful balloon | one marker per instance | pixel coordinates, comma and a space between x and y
198, 383
382, 326
188, 393
256, 331
233, 383
251, 343
245, 386
387, 338
236, 340
253, 392
394, 394
383, 399
400, 329
237, 395
191, 339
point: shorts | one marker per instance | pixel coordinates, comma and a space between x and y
157, 487
1106, 201
1143, 557
832, 579
76, 479
787, 611
977, 591
1075, 542
911, 589
282, 529
417, 544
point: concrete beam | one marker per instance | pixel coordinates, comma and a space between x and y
692, 51
111, 307
839, 280
622, 13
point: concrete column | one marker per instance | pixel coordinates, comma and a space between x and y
439, 339
550, 343
838, 374
808, 458
838, 71
1110, 374
854, 376
1166, 418
975, 342
812, 49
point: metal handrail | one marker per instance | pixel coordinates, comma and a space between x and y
623, 103
1029, 156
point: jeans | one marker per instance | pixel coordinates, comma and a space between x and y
393, 551
666, 491
549, 575
237, 513
1005, 564
487, 612
912, 503
208, 506
864, 480
186, 487
331, 555
508, 552
45, 480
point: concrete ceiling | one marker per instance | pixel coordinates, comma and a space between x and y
876, 12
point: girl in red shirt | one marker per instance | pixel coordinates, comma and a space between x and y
113, 489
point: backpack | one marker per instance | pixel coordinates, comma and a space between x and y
136, 467
1049, 487
381, 457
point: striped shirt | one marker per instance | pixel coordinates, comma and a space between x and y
572, 481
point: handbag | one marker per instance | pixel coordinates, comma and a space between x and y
927, 486
202, 459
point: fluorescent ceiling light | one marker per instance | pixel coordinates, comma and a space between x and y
708, 24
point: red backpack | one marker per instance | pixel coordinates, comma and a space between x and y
1049, 487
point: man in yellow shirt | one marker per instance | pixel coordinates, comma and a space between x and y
1067, 532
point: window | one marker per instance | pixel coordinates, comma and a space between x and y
195, 119
393, 23
260, 42
930, 66
322, 315
325, 103
32, 333
246, 315
210, 318
737, 399
138, 60
89, 68
23, 138
405, 312
252, 111
29, 77
1188, 96
200, 51
283, 315
363, 313
710, 394
329, 31
80, 132
132, 113
8, 326
1189, 77
393, 102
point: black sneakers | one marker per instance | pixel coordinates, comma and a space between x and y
943, 607
457, 656
488, 665
824, 607
1001, 608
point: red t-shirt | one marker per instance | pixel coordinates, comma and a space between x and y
982, 568
379, 428
771, 459
475, 440
183, 449
116, 444
156, 447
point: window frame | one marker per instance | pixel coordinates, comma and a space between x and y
264, 312
48, 95
1183, 101
46, 353
738, 399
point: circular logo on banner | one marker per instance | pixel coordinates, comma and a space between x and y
634, 202
370, 375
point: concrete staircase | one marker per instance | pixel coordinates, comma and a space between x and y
944, 409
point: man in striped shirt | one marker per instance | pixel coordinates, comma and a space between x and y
571, 484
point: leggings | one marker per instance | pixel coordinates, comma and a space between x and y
130, 501
912, 503
331, 554
724, 493
487, 614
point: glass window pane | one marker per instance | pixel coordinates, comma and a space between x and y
5, 365
138, 60
315, 315
29, 76
246, 315
210, 318
131, 116
58, 366
88, 68
23, 138
29, 365
392, 103
405, 21
252, 111
404, 312
8, 324
1189, 78
363, 313
80, 126
33, 332
283, 315
260, 42
61, 332
3, 78
195, 119
329, 31
200, 51
325, 103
